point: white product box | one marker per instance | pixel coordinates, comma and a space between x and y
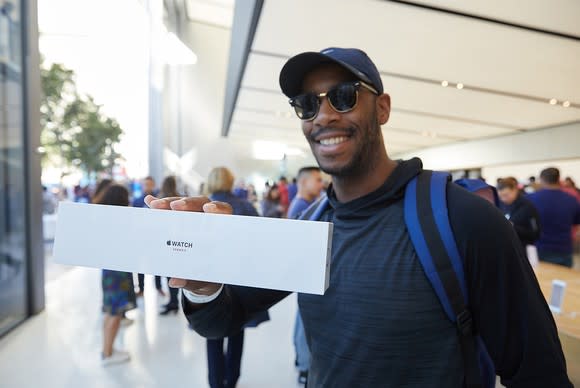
259, 252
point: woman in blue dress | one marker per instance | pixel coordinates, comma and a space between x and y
118, 290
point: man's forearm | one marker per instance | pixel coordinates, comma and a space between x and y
230, 311
215, 319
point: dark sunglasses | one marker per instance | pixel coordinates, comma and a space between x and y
342, 98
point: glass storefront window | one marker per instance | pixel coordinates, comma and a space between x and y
13, 286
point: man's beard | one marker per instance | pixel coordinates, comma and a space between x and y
364, 156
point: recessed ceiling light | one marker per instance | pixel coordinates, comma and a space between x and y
444, 84
566, 104
429, 134
459, 86
553, 101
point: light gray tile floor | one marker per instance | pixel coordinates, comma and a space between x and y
60, 347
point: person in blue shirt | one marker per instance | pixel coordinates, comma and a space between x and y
519, 211
309, 184
241, 190
559, 212
148, 189
224, 366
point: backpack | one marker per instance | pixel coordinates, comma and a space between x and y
427, 220
480, 187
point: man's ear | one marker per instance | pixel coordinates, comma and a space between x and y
383, 108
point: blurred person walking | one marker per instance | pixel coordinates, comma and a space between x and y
559, 212
118, 290
569, 184
252, 195
292, 190
309, 187
169, 189
266, 189
81, 194
224, 368
569, 187
284, 195
49, 201
271, 206
148, 189
241, 191
532, 186
101, 189
519, 211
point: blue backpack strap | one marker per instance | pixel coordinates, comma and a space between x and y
425, 212
439, 182
427, 221
315, 210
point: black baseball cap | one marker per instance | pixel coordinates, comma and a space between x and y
354, 60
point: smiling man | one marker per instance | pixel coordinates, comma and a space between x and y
380, 323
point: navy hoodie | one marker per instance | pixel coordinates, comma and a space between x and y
380, 323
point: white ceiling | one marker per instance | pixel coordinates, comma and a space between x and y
216, 12
556, 15
509, 73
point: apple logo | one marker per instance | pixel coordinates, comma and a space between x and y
168, 243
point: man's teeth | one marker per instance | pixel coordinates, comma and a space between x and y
333, 140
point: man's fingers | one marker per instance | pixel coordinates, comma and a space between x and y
218, 208
149, 199
177, 283
191, 204
163, 203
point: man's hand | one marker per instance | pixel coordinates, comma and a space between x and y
191, 204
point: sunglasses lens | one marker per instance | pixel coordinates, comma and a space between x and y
306, 106
343, 97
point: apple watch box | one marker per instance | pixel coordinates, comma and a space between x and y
279, 254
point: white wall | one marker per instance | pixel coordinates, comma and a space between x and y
193, 105
545, 145
523, 171
193, 101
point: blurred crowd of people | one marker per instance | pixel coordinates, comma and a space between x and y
544, 214
120, 291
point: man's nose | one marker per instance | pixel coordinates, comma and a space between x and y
326, 114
